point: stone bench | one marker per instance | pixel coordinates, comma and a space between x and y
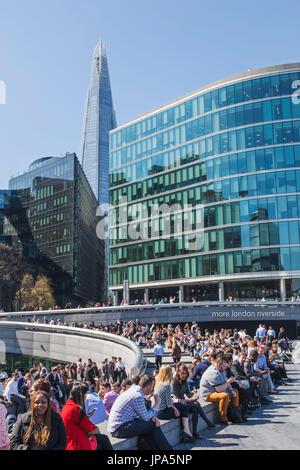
171, 429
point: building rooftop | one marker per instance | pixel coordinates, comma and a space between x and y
225, 81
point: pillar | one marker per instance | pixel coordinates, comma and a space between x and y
181, 294
221, 291
116, 298
146, 296
126, 291
282, 289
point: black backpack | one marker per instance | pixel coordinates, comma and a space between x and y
234, 414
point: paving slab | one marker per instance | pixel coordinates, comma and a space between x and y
272, 427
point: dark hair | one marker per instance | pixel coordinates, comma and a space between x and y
177, 377
105, 384
41, 384
77, 395
135, 380
126, 382
146, 380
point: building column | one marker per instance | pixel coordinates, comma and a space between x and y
221, 291
126, 296
181, 293
282, 289
116, 298
146, 296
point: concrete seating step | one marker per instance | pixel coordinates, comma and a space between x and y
171, 429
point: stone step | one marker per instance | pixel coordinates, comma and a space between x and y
170, 428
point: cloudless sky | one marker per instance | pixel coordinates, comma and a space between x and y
157, 51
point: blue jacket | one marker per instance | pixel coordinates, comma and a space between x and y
200, 368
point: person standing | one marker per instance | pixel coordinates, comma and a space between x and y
158, 351
271, 334
176, 351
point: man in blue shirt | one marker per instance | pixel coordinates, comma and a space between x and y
94, 403
199, 370
261, 367
129, 416
260, 332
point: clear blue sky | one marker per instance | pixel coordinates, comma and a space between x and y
157, 50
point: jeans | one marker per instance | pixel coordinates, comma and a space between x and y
168, 413
146, 428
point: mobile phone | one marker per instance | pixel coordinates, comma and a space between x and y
92, 412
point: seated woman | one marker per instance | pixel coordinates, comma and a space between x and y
167, 409
79, 428
181, 391
41, 428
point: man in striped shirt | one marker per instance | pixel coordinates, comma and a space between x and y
129, 416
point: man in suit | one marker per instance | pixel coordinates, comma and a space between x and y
255, 379
238, 371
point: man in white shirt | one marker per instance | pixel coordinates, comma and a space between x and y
11, 394
158, 351
120, 369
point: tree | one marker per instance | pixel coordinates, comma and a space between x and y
12, 267
42, 294
24, 294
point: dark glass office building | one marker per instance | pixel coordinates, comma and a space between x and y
228, 155
49, 216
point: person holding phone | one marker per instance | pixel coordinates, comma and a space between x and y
167, 409
94, 406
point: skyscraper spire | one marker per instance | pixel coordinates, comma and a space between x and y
99, 119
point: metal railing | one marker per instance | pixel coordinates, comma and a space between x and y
122, 308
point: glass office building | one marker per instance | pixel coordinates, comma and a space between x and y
228, 154
49, 216
99, 119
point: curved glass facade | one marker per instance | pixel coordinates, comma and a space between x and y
231, 156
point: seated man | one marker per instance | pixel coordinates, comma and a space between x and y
255, 378
96, 413
198, 371
11, 394
129, 416
94, 406
215, 388
261, 367
109, 396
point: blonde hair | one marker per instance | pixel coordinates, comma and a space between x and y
164, 377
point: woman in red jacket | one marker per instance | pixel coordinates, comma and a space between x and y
77, 424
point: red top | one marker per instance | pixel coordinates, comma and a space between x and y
77, 437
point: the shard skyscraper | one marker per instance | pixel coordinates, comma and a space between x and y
99, 119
